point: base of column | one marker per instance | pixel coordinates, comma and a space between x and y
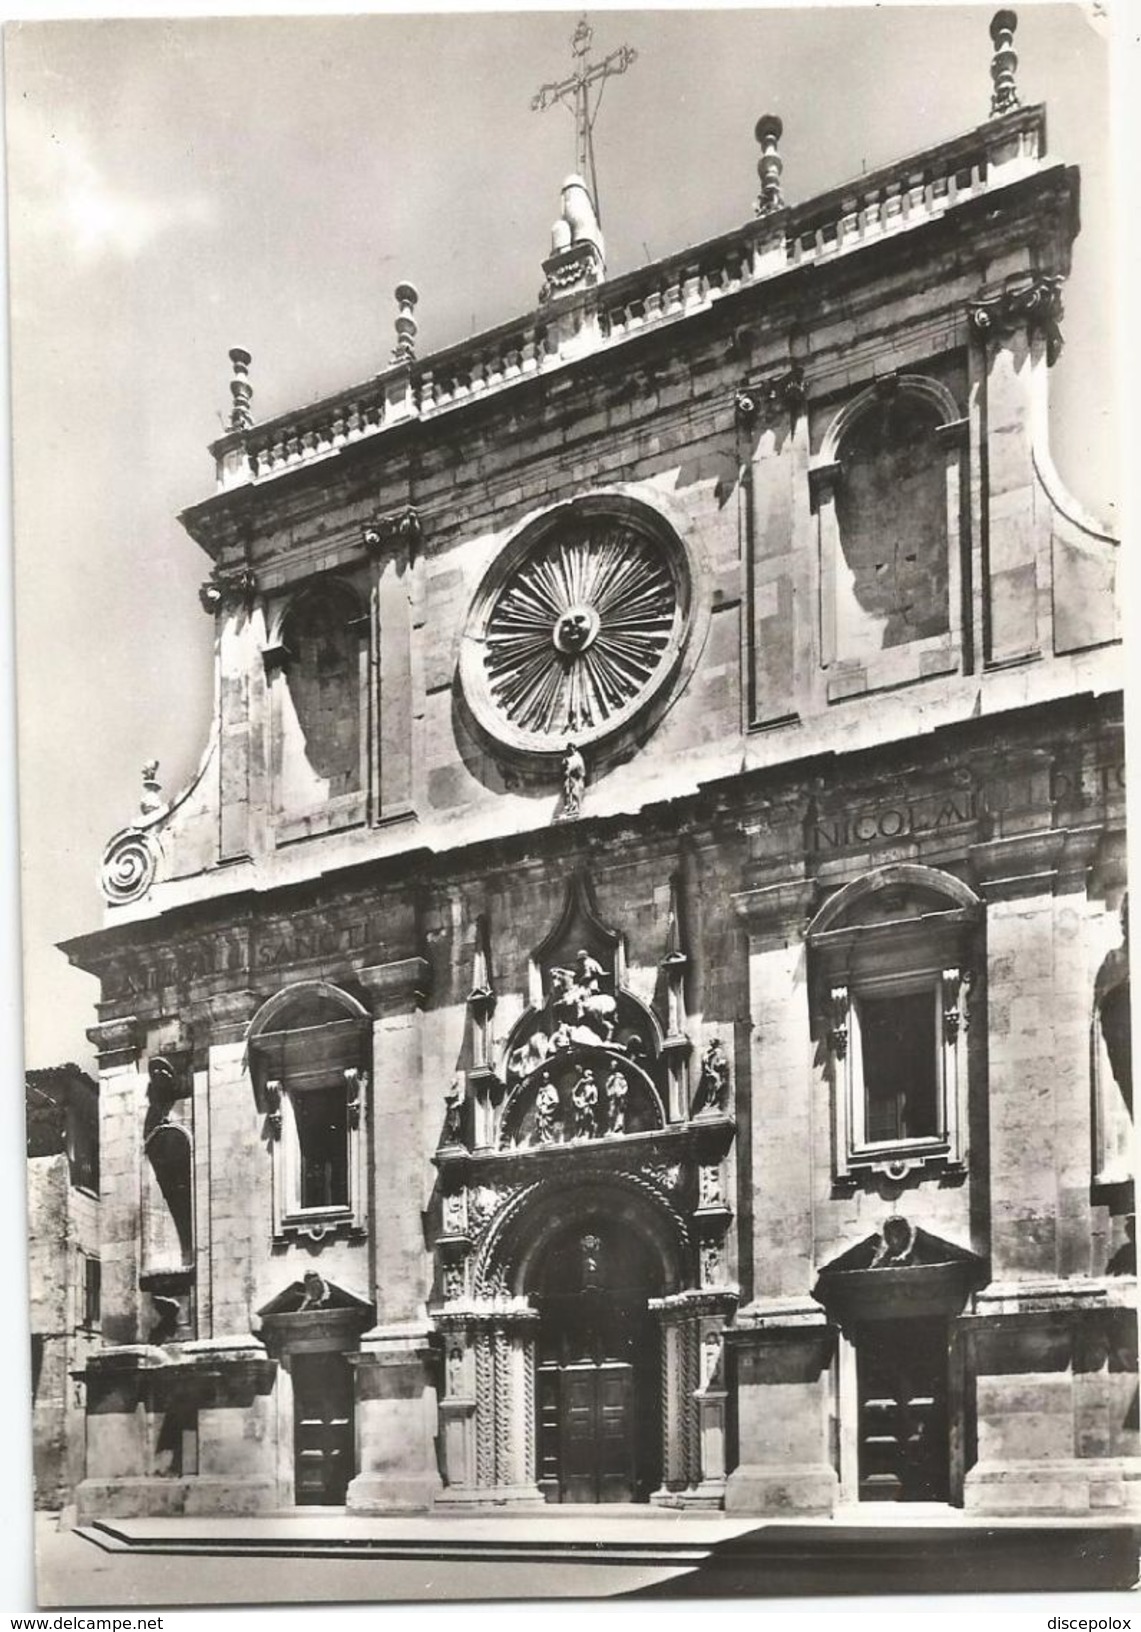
467, 1497
392, 1493
159, 1498
1102, 1487
770, 1491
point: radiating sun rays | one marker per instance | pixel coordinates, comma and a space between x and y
578, 630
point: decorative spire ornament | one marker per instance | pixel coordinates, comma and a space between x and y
407, 296
769, 166
240, 390
1004, 98
574, 93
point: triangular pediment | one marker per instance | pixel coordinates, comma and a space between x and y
905, 1247
314, 1294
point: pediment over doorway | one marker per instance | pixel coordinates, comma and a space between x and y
314, 1313
902, 1269
311, 1294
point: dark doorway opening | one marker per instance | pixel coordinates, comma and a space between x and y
599, 1399
902, 1370
323, 1450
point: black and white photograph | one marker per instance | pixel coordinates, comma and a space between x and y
570, 712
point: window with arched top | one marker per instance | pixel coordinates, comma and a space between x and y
309, 1048
318, 666
894, 956
887, 487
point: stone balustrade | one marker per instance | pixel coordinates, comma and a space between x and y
896, 199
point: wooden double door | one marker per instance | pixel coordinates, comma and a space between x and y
588, 1432
902, 1372
597, 1378
323, 1440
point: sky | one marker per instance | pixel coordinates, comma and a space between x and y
180, 186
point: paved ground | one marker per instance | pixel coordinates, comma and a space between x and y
320, 1557
74, 1572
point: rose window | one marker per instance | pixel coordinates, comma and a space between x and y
578, 633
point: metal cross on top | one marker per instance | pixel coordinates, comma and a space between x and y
574, 93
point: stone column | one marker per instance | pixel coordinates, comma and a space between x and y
237, 1224
122, 1110
780, 1131
396, 1366
489, 1412
238, 660
782, 1346
783, 1364
393, 539
1051, 1353
1016, 560
779, 522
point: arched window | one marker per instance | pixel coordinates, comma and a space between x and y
887, 487
309, 1051
319, 685
893, 958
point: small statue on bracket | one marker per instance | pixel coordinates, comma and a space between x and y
574, 781
584, 1098
616, 1091
546, 1111
712, 1094
453, 1114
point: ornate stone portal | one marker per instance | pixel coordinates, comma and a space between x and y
584, 1154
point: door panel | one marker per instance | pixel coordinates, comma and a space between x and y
902, 1372
322, 1428
596, 1433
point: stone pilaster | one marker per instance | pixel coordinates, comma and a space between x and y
396, 1422
782, 1359
400, 1264
122, 1110
778, 633
780, 1130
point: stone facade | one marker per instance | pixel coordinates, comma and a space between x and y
63, 1269
635, 987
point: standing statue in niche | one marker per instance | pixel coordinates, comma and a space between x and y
584, 1098
712, 1094
574, 781
546, 1112
453, 1114
616, 1091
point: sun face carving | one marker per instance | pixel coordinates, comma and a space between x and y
576, 628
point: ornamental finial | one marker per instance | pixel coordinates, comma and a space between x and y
769, 166
240, 390
151, 798
407, 296
1004, 98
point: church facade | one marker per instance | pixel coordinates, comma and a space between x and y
633, 1006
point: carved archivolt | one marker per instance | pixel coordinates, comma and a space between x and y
578, 626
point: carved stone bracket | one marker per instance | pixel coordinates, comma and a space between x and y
956, 1016
228, 587
356, 1086
403, 526
760, 400
272, 1092
838, 1021
1035, 301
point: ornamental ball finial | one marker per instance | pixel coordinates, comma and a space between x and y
769, 130
1004, 98
407, 296
1003, 22
240, 389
